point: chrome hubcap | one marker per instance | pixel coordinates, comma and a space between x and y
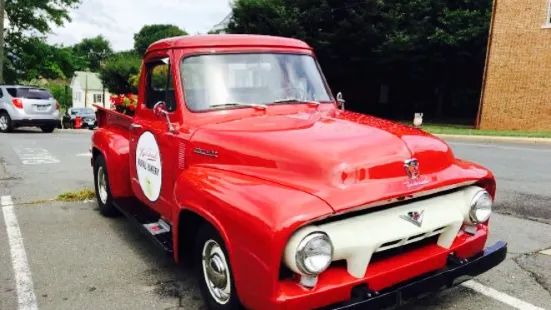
216, 272
102, 185
3, 122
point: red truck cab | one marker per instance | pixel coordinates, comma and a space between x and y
240, 160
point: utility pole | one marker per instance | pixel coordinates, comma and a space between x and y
101, 55
86, 90
2, 41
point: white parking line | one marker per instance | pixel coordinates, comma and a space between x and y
499, 296
22, 272
35, 155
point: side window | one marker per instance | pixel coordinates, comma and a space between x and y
1, 93
159, 85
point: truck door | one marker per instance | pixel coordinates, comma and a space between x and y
152, 151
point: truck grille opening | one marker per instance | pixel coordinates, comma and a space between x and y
384, 254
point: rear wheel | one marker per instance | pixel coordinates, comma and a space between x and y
47, 129
213, 271
5, 122
103, 193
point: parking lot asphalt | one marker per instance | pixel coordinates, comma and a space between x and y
76, 259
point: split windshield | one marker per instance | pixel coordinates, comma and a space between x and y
229, 80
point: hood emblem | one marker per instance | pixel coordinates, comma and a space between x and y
204, 152
412, 168
414, 217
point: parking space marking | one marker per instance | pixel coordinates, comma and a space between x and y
22, 272
499, 296
35, 155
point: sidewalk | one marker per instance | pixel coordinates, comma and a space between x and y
479, 138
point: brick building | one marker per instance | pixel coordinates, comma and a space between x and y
516, 92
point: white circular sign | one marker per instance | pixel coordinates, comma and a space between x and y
148, 166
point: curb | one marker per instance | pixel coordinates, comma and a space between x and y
524, 140
74, 130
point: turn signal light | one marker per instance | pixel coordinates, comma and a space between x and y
17, 103
57, 106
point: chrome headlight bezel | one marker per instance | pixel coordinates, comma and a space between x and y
477, 198
300, 254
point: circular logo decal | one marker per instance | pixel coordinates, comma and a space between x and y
148, 166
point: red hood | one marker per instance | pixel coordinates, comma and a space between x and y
344, 158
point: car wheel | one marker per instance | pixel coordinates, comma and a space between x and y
103, 192
5, 122
47, 129
213, 271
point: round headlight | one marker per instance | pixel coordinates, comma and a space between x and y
481, 207
314, 253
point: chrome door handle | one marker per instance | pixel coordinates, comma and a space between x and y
134, 126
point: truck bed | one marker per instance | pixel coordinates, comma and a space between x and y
112, 118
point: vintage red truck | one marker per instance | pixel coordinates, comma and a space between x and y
240, 160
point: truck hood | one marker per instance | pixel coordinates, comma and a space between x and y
346, 159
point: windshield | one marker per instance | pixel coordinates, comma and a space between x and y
78, 111
222, 80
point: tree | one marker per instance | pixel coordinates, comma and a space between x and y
93, 51
117, 71
429, 49
30, 16
152, 33
34, 59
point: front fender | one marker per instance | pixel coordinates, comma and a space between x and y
114, 145
254, 217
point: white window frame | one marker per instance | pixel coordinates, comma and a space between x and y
100, 98
547, 23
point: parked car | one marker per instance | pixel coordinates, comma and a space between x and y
27, 106
87, 115
241, 161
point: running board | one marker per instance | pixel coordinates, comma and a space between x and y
148, 221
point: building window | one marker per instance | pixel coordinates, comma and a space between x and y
98, 98
548, 15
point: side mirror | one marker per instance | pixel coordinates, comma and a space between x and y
159, 109
340, 101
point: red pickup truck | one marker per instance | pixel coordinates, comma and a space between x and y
240, 160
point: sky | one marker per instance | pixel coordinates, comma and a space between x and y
118, 20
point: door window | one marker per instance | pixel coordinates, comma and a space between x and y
159, 85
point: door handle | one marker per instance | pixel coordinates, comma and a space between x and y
135, 126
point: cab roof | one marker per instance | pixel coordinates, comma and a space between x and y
227, 40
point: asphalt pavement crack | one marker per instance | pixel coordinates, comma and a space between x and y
524, 217
537, 278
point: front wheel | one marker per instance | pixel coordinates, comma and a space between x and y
214, 271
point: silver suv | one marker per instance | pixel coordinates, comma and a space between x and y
27, 106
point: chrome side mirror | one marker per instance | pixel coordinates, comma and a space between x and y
159, 109
340, 101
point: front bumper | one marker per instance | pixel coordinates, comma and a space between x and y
456, 272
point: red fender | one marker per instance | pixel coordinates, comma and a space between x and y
238, 205
113, 144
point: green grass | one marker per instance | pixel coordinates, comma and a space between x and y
81, 195
469, 130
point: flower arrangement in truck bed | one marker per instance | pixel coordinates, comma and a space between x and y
125, 103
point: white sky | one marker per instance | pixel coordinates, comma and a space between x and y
118, 20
